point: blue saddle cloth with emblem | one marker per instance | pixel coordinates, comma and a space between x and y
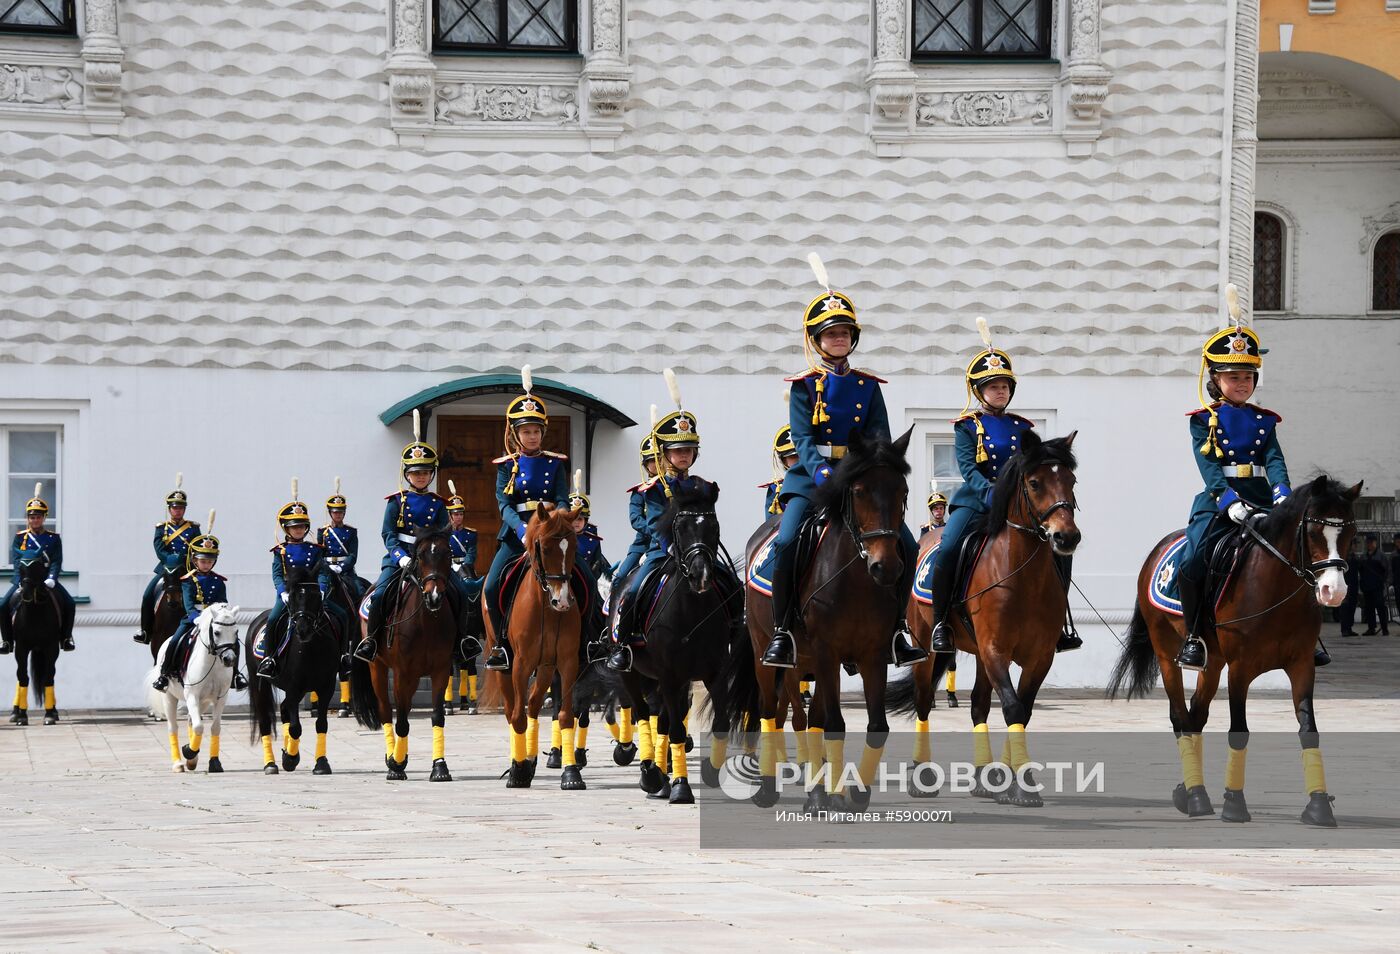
760, 569
923, 578
1163, 592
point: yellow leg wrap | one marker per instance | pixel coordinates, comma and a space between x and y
1234, 769
345, 692
1005, 758
400, 748
213, 746
462, 684
22, 696
952, 680
870, 764
532, 738
196, 739
471, 687
814, 751
517, 746
315, 697
1016, 739
801, 747
388, 740
678, 768
320, 745
981, 745
923, 742
718, 748
768, 749
555, 736
655, 732
663, 753
447, 694
1313, 778
804, 686
1191, 773
439, 743
267, 749
49, 701
293, 746
175, 755
625, 726
836, 764
615, 731
580, 737
645, 744
567, 737
782, 747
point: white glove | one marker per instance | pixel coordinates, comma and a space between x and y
285, 598
50, 582
405, 560
336, 568
1238, 512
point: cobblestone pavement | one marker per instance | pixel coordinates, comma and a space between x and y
104, 848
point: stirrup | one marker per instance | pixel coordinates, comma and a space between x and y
67, 644
1069, 641
267, 669
782, 650
499, 660
621, 658
6, 647
1193, 654
162, 681
942, 638
469, 647
367, 649
903, 651
596, 650
141, 638
239, 683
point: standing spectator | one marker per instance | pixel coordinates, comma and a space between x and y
1395, 571
1372, 576
1346, 613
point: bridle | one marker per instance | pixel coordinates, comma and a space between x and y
36, 587
859, 537
1308, 573
698, 548
215, 649
434, 576
537, 568
1038, 517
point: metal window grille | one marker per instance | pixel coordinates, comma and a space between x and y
43, 17
1268, 262
505, 26
1385, 274
958, 29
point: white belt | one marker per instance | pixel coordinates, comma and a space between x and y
336, 559
832, 451
527, 506
407, 538
1243, 470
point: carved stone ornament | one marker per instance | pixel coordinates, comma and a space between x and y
984, 109
1378, 225
469, 102
40, 86
607, 77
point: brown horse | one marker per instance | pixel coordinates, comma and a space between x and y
420, 633
545, 623
1265, 621
1012, 612
169, 610
849, 607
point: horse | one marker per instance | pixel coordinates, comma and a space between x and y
689, 633
420, 633
1264, 622
848, 609
309, 664
36, 631
464, 668
203, 685
169, 609
343, 595
1012, 612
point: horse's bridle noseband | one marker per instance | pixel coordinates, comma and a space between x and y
537, 567
859, 537
682, 557
1038, 518
1308, 574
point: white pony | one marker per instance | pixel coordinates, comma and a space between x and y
205, 685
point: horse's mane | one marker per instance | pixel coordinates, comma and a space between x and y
1283, 519
862, 456
694, 494
534, 528
1034, 453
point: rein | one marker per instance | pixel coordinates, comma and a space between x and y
848, 517
1038, 529
1307, 575
214, 650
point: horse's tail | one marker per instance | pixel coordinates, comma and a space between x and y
364, 701
902, 691
1137, 666
738, 684
596, 685
260, 704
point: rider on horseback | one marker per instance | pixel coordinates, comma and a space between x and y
984, 440
463, 537
201, 588
826, 404
637, 514
937, 511
171, 542
294, 551
1241, 462
342, 545
590, 545
408, 514
784, 459
29, 544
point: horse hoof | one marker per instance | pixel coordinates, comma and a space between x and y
1021, 794
531, 765
624, 753
990, 781
344, 712
19, 717
681, 793
709, 774
177, 767
920, 783
1197, 801
396, 774
1319, 811
664, 792
471, 708
290, 762
323, 766
837, 805
1179, 797
450, 709
270, 768
440, 772
555, 759
215, 766
766, 795
581, 758
859, 798
1234, 809
652, 778
519, 775
572, 779
689, 745
817, 801
50, 717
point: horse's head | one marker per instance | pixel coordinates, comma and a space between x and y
304, 601
552, 544
1322, 516
1035, 492
31, 577
170, 576
693, 529
222, 632
868, 492
433, 563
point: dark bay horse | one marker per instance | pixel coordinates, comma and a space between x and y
545, 624
1013, 609
169, 609
1267, 618
310, 663
36, 631
848, 608
420, 632
690, 631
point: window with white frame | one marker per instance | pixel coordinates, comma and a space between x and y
944, 465
32, 455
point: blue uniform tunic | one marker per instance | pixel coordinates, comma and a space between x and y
464, 549
342, 546
46, 545
288, 555
407, 514
200, 591
171, 543
590, 552
522, 483
637, 518
655, 500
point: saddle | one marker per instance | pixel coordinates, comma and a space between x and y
1224, 548
630, 619
518, 569
279, 634
809, 538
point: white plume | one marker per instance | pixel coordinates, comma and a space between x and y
38, 488
417, 426
209, 526
337, 485
179, 479
819, 270
932, 486
653, 417
984, 331
673, 386
526, 378
294, 489
1232, 302
578, 481
451, 487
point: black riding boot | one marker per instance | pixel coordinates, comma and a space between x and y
1069, 636
7, 622
782, 648
903, 651
65, 641
596, 628
267, 669
620, 660
941, 589
367, 647
501, 653
1193, 652
468, 645
148, 615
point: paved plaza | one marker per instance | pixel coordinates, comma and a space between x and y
105, 849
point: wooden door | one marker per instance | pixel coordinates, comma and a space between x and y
467, 446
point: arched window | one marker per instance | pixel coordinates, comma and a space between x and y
1268, 262
1385, 273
